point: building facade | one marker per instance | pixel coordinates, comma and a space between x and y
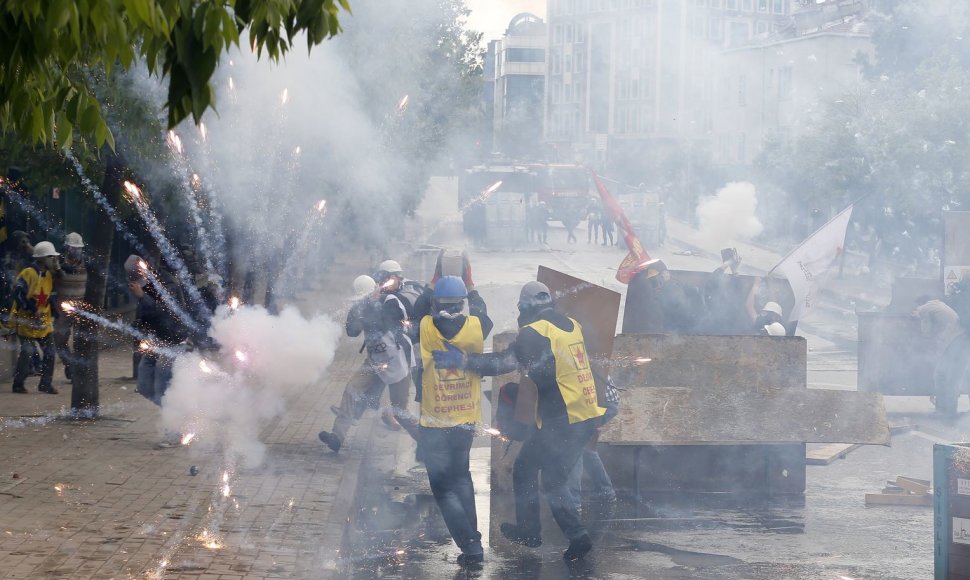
516, 71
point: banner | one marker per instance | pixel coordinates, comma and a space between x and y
809, 265
635, 260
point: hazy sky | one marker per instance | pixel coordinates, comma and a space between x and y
492, 16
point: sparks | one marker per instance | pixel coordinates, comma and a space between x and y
133, 191
59, 488
403, 104
492, 431
232, 85
204, 367
225, 477
67, 306
642, 360
203, 131
234, 303
226, 491
492, 189
285, 96
297, 150
143, 265
175, 142
187, 438
241, 356
400, 552
322, 206
144, 345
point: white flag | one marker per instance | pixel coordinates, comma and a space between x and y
809, 265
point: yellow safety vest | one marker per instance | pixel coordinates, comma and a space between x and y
450, 397
35, 324
573, 372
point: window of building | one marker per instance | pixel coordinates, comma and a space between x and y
567, 93
623, 89
748, 5
579, 62
761, 27
700, 3
634, 89
762, 5
555, 7
730, 4
778, 6
525, 55
580, 33
715, 3
715, 29
784, 82
741, 147
567, 65
697, 26
739, 33
556, 63
570, 6
557, 34
743, 91
556, 93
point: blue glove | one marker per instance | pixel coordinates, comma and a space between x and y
452, 358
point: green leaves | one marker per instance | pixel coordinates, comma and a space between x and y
51, 45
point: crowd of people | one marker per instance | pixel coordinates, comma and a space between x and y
434, 337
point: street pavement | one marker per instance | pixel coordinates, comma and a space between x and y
99, 499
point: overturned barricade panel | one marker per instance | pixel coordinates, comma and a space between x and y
725, 414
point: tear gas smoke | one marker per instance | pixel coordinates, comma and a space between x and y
283, 354
729, 214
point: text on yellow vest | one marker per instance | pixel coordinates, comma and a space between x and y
450, 397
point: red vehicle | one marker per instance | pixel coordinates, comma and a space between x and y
564, 188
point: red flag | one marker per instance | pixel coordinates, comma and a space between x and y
637, 258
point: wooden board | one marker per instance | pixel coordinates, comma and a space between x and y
828, 453
925, 499
682, 416
917, 486
726, 362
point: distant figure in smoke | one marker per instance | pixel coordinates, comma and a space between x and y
33, 316
951, 376
539, 218
550, 350
70, 282
155, 319
570, 221
593, 222
450, 411
606, 222
378, 317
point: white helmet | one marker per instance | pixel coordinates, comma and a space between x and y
44, 250
390, 266
73, 240
774, 308
364, 285
775, 329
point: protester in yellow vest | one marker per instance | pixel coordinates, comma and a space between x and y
32, 317
451, 410
551, 351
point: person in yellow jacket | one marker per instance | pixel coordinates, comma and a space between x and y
33, 317
551, 351
451, 408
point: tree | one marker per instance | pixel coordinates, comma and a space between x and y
48, 49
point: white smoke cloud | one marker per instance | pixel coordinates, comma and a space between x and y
226, 398
729, 214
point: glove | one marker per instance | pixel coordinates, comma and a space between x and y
452, 358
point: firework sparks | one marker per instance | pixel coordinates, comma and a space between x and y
59, 488
187, 438
175, 142
232, 85
491, 189
241, 356
67, 307
285, 97
203, 131
322, 206
144, 346
133, 191
234, 303
204, 367
641, 360
297, 150
403, 104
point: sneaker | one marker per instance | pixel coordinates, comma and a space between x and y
20, 390
578, 548
332, 441
48, 390
515, 534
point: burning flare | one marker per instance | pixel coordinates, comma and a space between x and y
187, 438
203, 131
144, 345
133, 191
241, 356
204, 367
285, 96
403, 104
175, 142
234, 303
322, 206
67, 306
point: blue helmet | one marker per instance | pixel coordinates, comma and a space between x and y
450, 290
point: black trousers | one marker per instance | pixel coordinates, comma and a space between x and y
28, 349
552, 451
445, 452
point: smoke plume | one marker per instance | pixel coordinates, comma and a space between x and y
729, 214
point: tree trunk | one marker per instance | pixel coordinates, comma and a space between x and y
85, 399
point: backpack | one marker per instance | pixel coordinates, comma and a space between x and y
408, 293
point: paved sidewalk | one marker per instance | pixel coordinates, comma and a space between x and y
97, 499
